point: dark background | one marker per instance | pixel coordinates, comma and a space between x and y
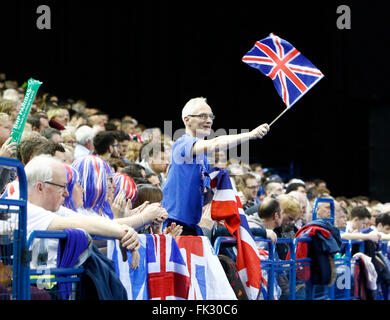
148, 58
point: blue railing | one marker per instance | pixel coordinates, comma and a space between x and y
19, 251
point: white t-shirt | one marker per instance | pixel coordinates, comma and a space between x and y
39, 218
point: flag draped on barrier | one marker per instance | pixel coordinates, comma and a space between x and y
184, 267
226, 205
292, 73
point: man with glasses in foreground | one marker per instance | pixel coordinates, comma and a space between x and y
47, 188
187, 179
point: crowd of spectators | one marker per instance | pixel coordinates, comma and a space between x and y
135, 161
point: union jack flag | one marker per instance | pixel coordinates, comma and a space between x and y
226, 205
168, 276
292, 73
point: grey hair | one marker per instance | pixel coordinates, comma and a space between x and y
191, 106
83, 134
38, 169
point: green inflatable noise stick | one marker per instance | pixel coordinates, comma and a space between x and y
20, 122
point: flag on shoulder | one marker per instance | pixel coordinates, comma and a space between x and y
226, 205
291, 72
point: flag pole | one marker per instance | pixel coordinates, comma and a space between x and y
278, 117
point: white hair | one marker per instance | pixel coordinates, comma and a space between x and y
83, 134
39, 168
191, 106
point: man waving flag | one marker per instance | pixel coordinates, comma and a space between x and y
293, 74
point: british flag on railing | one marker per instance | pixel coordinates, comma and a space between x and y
226, 205
293, 74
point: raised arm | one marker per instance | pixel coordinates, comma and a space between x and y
226, 142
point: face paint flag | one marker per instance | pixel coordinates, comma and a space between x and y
292, 73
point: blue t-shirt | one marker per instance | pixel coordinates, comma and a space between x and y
184, 188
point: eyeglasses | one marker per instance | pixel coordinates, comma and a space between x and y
116, 145
56, 184
252, 187
203, 116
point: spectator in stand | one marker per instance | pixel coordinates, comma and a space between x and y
250, 189
84, 141
152, 194
340, 216
123, 140
56, 150
304, 202
273, 187
382, 225
47, 181
27, 146
117, 164
295, 185
38, 121
52, 134
269, 217
184, 201
106, 145
96, 122
133, 151
7, 149
10, 107
128, 126
155, 161
60, 115
358, 220
78, 119
69, 137
135, 171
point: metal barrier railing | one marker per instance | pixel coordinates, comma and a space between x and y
13, 229
293, 266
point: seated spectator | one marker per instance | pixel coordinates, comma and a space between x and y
56, 150
7, 149
304, 202
155, 161
38, 121
123, 140
47, 181
358, 220
27, 146
78, 119
96, 122
69, 137
126, 185
382, 225
106, 145
60, 115
134, 170
249, 190
340, 216
296, 186
151, 194
133, 151
84, 141
10, 107
273, 187
117, 164
52, 134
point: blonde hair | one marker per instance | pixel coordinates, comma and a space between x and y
191, 106
132, 151
290, 205
53, 113
7, 106
4, 117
